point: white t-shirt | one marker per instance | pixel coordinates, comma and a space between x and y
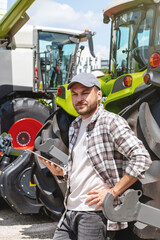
83, 176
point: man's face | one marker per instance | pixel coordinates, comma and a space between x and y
85, 99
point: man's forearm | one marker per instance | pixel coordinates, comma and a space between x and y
125, 182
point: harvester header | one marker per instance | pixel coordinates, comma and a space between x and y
15, 18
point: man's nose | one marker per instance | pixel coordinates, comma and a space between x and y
79, 97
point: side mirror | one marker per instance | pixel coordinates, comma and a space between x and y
106, 19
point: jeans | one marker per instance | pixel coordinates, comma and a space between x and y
83, 226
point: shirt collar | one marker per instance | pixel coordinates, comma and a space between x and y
78, 120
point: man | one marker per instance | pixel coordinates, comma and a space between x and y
100, 143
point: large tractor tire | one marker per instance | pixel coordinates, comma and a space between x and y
144, 118
22, 118
49, 190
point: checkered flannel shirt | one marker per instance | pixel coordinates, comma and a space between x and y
113, 150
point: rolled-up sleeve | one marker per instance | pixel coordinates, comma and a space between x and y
131, 147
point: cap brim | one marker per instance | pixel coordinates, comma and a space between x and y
70, 85
84, 84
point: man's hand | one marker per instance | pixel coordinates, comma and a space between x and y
97, 197
55, 170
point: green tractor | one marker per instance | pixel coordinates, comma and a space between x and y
124, 90
134, 29
134, 33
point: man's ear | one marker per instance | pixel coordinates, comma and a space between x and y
99, 94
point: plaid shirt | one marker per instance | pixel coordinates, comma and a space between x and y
113, 150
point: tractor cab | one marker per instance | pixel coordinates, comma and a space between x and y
57, 56
135, 26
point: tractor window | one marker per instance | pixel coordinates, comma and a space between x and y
142, 41
132, 36
124, 27
157, 33
55, 50
121, 49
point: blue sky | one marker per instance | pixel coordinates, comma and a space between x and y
72, 14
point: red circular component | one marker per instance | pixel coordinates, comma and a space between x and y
23, 133
155, 60
146, 78
127, 81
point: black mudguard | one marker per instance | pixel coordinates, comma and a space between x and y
16, 188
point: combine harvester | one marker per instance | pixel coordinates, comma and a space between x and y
36, 61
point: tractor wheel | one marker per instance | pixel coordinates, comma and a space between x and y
144, 118
49, 191
22, 118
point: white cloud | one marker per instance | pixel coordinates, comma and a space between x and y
54, 14
103, 51
51, 13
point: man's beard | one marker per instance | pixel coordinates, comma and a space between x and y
87, 109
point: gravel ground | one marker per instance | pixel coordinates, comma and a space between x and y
20, 227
